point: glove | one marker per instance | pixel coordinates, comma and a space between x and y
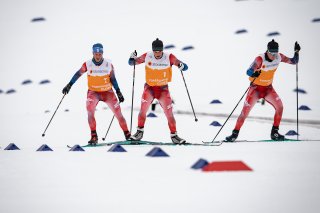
297, 47
182, 66
67, 88
256, 74
134, 55
120, 96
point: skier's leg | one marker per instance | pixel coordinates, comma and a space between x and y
165, 102
111, 100
91, 103
146, 100
251, 100
273, 98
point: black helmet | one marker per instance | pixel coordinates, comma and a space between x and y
157, 45
273, 46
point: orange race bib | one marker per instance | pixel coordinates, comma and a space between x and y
99, 76
267, 71
158, 71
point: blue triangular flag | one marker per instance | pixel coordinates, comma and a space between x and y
157, 152
44, 147
11, 146
44, 81
302, 91
188, 48
216, 101
77, 148
151, 115
170, 46
199, 164
241, 31
215, 123
273, 33
116, 148
291, 133
304, 107
10, 91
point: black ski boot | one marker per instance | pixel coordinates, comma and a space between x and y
127, 135
275, 135
176, 139
138, 135
94, 138
233, 136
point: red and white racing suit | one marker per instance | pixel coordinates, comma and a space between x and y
261, 87
158, 75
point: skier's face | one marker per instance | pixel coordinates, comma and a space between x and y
157, 54
272, 55
97, 56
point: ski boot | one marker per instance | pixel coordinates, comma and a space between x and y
275, 135
94, 138
233, 136
127, 135
138, 135
176, 139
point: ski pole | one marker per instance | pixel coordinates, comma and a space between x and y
233, 110
297, 101
195, 117
133, 79
44, 133
108, 128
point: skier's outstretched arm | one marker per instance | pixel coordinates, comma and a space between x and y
295, 58
137, 60
75, 77
174, 61
254, 67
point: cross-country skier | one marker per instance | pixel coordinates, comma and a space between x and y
158, 68
101, 79
261, 74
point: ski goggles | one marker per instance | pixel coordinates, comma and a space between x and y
273, 53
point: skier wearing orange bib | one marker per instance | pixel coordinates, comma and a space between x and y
158, 68
101, 79
261, 74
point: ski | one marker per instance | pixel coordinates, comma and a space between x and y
156, 143
204, 143
252, 141
89, 145
135, 143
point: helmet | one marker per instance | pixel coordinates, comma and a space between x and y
157, 45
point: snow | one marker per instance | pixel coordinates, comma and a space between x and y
285, 176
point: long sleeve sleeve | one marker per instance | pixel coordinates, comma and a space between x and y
114, 80
78, 74
287, 60
256, 65
138, 60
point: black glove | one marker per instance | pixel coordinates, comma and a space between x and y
297, 47
120, 96
67, 88
256, 74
